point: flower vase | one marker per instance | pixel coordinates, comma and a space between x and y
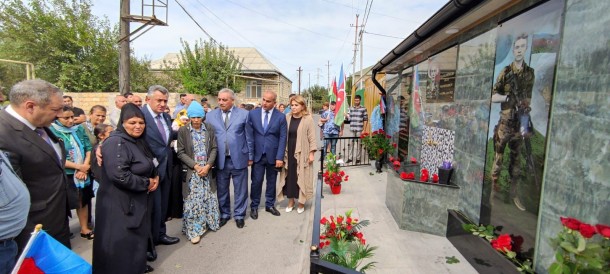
335, 189
379, 164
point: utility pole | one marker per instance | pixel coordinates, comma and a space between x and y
299, 70
355, 50
309, 80
124, 54
125, 34
361, 57
328, 72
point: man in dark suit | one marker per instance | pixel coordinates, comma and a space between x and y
37, 156
269, 132
235, 154
158, 136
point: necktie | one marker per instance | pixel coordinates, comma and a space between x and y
227, 118
44, 135
266, 120
160, 127
227, 152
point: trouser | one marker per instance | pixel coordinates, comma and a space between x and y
332, 142
355, 147
160, 203
260, 170
506, 133
8, 255
240, 190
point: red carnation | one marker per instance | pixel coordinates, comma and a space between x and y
394, 145
403, 175
570, 223
396, 163
586, 230
321, 245
411, 175
413, 160
323, 221
380, 151
391, 158
603, 230
502, 243
346, 178
435, 178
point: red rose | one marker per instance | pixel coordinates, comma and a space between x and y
394, 145
424, 177
502, 243
603, 230
380, 151
586, 230
570, 223
391, 159
411, 175
403, 175
348, 220
413, 160
339, 219
346, 178
321, 245
435, 178
396, 164
323, 221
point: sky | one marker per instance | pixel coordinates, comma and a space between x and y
289, 33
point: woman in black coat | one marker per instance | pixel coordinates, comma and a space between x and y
122, 210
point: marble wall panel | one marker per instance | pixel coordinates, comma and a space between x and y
577, 174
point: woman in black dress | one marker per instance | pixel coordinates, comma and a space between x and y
296, 178
122, 211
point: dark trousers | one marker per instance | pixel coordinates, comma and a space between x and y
160, 203
259, 169
240, 190
8, 256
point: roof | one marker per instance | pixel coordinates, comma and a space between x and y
252, 60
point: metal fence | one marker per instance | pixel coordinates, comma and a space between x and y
349, 151
316, 264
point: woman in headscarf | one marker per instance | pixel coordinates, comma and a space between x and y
197, 151
78, 158
129, 174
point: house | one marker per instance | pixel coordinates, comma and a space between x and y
257, 71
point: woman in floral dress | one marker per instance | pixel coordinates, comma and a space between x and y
197, 151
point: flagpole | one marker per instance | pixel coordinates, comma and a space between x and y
37, 230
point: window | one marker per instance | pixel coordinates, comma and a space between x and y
254, 89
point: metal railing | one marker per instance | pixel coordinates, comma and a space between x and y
349, 151
316, 264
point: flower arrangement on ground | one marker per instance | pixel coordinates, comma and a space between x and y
333, 176
377, 143
343, 244
507, 245
578, 250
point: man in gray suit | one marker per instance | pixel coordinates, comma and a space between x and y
235, 154
37, 156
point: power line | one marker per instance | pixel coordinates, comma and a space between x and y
383, 35
201, 28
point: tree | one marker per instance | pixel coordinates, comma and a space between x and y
206, 68
317, 95
67, 44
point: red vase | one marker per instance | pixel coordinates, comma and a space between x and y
335, 189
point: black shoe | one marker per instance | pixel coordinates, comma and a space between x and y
272, 210
167, 240
71, 235
240, 223
348, 161
357, 161
151, 256
223, 221
148, 269
254, 213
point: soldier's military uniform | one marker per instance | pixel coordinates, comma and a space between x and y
517, 84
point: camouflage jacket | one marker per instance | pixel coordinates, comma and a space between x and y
516, 84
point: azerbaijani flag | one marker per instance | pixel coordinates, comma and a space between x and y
44, 254
382, 104
332, 92
341, 106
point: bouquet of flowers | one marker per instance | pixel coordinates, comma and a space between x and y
377, 143
342, 243
578, 250
333, 176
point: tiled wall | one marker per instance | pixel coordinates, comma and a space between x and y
577, 175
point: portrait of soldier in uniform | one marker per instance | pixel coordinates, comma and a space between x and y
513, 91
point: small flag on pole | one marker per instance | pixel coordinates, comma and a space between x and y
341, 106
44, 254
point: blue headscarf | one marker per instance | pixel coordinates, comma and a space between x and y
195, 110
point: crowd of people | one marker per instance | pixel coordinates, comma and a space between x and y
143, 166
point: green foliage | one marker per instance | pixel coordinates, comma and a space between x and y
452, 260
350, 255
205, 68
576, 254
378, 144
318, 95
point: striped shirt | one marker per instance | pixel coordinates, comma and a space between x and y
357, 117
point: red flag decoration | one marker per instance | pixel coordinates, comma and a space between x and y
416, 104
341, 106
382, 104
44, 254
332, 92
